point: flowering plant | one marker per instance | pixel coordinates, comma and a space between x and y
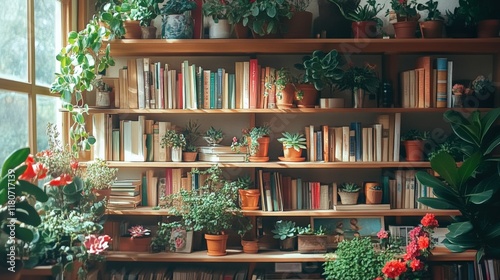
138, 231
458, 89
482, 85
406, 10
420, 244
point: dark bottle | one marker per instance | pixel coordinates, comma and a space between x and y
385, 100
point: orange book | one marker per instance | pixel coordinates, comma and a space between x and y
425, 62
326, 145
420, 87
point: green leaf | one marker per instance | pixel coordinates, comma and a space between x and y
480, 198
24, 234
489, 184
27, 214
492, 145
436, 203
91, 140
468, 168
457, 229
480, 254
441, 189
454, 247
492, 232
445, 165
15, 159
488, 120
27, 187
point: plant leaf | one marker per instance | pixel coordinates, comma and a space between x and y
492, 231
436, 203
468, 168
27, 187
445, 165
15, 159
480, 198
457, 229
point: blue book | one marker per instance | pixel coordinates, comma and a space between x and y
199, 88
212, 90
299, 194
144, 182
220, 87
359, 141
231, 89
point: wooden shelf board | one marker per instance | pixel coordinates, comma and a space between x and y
231, 47
43, 270
284, 111
233, 256
271, 164
443, 254
147, 211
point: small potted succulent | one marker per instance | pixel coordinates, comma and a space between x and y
177, 24
249, 197
176, 141
360, 80
217, 10
285, 232
433, 24
137, 239
293, 144
364, 18
413, 141
311, 241
283, 81
349, 193
213, 136
320, 70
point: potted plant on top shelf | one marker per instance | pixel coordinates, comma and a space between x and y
285, 88
238, 15
266, 16
407, 18
413, 141
360, 80
461, 22
218, 10
433, 25
320, 69
364, 18
176, 23
293, 144
487, 18
300, 23
147, 11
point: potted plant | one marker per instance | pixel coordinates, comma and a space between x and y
249, 197
285, 89
349, 193
123, 18
311, 241
137, 239
213, 209
461, 23
373, 192
364, 18
483, 90
470, 187
299, 25
176, 141
432, 26
147, 11
320, 69
360, 80
407, 18
219, 27
173, 236
238, 14
213, 136
99, 177
266, 16
191, 135
258, 143
176, 23
293, 144
488, 20
413, 141
353, 259
285, 232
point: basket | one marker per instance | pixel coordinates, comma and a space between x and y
348, 198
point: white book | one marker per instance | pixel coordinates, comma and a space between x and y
397, 135
186, 85
141, 95
345, 144
192, 87
99, 132
164, 87
449, 85
324, 201
312, 144
115, 145
246, 85
370, 143
377, 145
338, 144
364, 137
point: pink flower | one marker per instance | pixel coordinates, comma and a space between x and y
411, 251
458, 88
179, 243
96, 244
382, 234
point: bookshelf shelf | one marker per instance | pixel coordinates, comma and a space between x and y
158, 47
147, 211
277, 164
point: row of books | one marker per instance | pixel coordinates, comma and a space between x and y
429, 85
405, 190
356, 142
455, 270
488, 269
145, 84
125, 194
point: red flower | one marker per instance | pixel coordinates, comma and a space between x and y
62, 180
96, 244
393, 269
429, 220
33, 170
382, 234
416, 265
411, 251
423, 242
74, 164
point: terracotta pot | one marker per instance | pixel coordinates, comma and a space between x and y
414, 150
241, 31
134, 244
250, 246
299, 25
374, 196
488, 28
309, 99
102, 194
349, 198
262, 151
284, 98
364, 29
216, 244
189, 156
132, 29
432, 29
368, 185
148, 32
291, 153
288, 244
249, 199
405, 29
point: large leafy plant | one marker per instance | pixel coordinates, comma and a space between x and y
322, 69
364, 78
266, 15
472, 187
367, 12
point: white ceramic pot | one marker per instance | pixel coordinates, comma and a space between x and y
176, 154
102, 99
220, 30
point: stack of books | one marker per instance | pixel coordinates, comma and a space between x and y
219, 153
125, 194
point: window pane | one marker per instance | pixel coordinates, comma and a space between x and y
47, 39
14, 40
47, 111
14, 124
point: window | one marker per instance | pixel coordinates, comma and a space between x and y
27, 68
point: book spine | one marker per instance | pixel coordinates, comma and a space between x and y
352, 142
254, 82
442, 80
206, 89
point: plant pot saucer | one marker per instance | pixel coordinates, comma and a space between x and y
258, 159
250, 207
292, 159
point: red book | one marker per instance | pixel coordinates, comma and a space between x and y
254, 82
197, 15
180, 93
